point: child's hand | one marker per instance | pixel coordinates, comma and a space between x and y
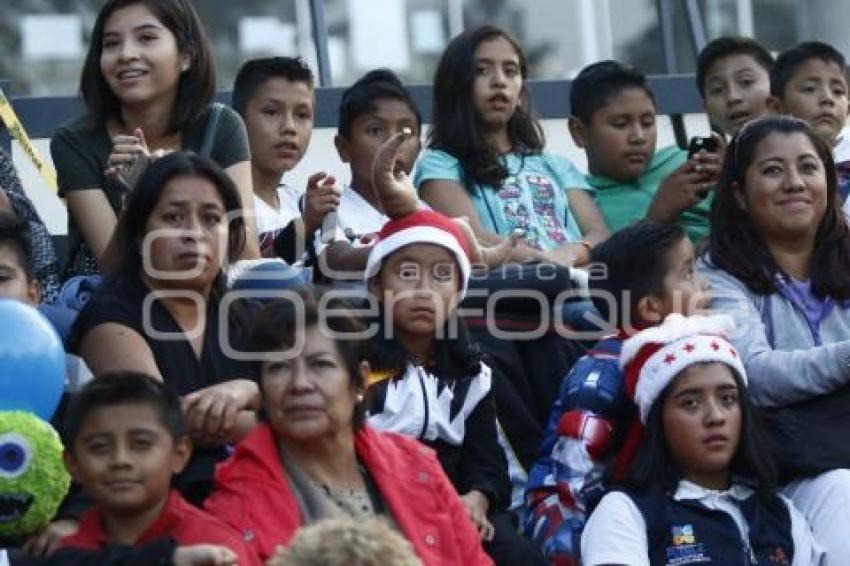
685, 187
487, 257
476, 506
320, 198
204, 555
46, 541
211, 412
394, 189
569, 255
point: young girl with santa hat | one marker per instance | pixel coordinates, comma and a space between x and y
701, 489
428, 380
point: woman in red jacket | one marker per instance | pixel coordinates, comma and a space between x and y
314, 458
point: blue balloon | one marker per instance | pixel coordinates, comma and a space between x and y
32, 361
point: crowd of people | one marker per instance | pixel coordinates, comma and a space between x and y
260, 373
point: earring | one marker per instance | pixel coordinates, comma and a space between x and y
360, 397
185, 67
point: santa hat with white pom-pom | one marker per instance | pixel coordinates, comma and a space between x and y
653, 357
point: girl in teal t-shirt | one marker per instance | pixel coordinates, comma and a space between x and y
485, 158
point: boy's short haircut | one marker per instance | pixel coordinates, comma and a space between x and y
728, 46
360, 98
124, 388
637, 261
14, 234
790, 59
257, 71
598, 82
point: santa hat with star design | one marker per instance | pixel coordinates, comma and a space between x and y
653, 357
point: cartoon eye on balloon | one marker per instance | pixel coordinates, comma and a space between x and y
15, 455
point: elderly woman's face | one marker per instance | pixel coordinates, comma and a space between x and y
310, 395
785, 187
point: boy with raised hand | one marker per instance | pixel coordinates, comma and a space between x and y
276, 98
613, 118
372, 110
649, 273
124, 439
733, 79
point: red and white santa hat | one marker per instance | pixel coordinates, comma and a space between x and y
653, 357
421, 227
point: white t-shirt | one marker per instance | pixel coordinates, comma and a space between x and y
355, 218
269, 219
841, 151
615, 533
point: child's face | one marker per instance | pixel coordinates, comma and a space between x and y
702, 422
620, 139
817, 93
369, 131
785, 188
14, 283
124, 457
686, 292
279, 120
140, 61
736, 91
498, 82
422, 281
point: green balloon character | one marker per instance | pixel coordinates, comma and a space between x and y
33, 479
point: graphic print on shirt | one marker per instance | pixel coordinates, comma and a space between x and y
516, 212
685, 548
417, 403
543, 200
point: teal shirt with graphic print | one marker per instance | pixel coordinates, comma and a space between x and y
533, 197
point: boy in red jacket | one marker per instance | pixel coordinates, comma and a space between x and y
125, 437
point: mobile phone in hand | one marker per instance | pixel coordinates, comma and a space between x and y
709, 144
130, 175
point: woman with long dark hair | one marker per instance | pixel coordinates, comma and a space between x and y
702, 488
778, 260
161, 312
148, 84
486, 161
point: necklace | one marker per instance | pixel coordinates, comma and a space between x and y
355, 502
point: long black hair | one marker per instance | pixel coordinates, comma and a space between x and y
145, 196
197, 84
454, 357
654, 466
457, 127
734, 243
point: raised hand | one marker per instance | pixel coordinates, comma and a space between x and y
320, 198
484, 256
394, 189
